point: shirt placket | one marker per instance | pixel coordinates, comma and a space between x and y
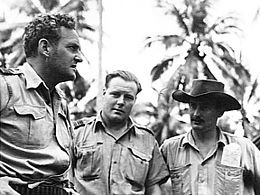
202, 180
114, 170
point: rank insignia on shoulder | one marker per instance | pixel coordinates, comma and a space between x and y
10, 71
81, 122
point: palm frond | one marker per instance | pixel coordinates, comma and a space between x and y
181, 19
167, 40
253, 90
221, 21
234, 82
160, 68
222, 48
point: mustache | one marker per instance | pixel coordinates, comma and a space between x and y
197, 119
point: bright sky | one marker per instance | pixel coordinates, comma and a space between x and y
128, 22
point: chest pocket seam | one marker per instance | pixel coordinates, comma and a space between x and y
140, 164
36, 111
89, 160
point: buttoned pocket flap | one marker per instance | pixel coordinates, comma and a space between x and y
36, 111
89, 161
140, 155
137, 167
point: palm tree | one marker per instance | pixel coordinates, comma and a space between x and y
204, 55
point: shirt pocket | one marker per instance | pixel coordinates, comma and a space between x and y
89, 163
228, 180
32, 131
137, 167
180, 177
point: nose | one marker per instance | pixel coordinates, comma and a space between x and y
196, 111
78, 58
121, 100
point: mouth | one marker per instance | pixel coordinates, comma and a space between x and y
118, 110
197, 121
74, 66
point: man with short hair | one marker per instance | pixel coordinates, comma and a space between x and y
206, 160
112, 154
35, 129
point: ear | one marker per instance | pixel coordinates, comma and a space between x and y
44, 47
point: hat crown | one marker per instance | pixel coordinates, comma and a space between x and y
200, 87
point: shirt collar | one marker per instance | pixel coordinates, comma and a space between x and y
222, 138
32, 78
188, 138
99, 123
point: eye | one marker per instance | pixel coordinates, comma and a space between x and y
74, 48
193, 105
129, 97
115, 94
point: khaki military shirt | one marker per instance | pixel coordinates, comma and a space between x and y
106, 165
35, 134
231, 167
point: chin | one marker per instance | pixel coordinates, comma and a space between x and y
71, 77
117, 120
197, 128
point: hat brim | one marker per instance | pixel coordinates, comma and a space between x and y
224, 100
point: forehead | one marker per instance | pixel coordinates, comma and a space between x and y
119, 84
69, 36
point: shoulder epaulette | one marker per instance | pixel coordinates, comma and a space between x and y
10, 71
81, 122
145, 129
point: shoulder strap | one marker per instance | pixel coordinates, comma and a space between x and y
81, 122
144, 128
10, 71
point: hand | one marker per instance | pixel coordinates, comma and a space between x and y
5, 188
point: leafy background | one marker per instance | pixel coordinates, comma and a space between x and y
165, 43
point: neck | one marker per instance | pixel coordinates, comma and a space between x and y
205, 141
41, 69
116, 129
205, 137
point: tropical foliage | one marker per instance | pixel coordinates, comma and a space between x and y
200, 50
11, 47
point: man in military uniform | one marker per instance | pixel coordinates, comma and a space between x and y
112, 154
35, 130
207, 160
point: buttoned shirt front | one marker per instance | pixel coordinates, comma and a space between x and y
34, 127
212, 175
106, 165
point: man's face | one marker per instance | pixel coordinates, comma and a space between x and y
65, 56
203, 116
118, 100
